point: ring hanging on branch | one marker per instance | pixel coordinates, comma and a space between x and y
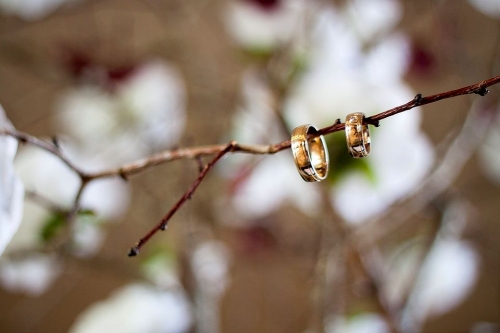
357, 135
310, 154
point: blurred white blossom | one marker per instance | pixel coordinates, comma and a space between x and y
88, 236
361, 323
53, 180
260, 26
31, 10
210, 265
137, 308
440, 281
47, 176
11, 188
272, 182
489, 153
145, 112
447, 277
370, 18
487, 7
31, 275
161, 269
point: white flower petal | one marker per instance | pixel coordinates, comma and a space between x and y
87, 114
355, 191
45, 174
31, 9
489, 153
210, 265
362, 323
11, 188
108, 198
145, 113
28, 236
32, 275
137, 308
87, 238
155, 96
487, 7
388, 60
254, 27
266, 189
373, 17
447, 277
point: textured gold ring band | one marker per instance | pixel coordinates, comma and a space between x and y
357, 135
310, 155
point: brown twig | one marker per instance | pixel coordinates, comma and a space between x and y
187, 196
52, 147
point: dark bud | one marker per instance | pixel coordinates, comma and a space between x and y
483, 91
163, 227
200, 163
133, 251
418, 99
123, 176
372, 122
55, 142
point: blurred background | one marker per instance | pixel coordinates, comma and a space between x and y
404, 240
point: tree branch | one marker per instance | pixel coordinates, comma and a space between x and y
220, 150
187, 196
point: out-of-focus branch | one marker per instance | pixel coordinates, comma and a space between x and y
51, 147
445, 172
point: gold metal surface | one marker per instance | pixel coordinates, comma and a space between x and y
311, 156
357, 135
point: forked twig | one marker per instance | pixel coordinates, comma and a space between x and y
187, 196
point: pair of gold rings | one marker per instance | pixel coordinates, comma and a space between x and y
310, 152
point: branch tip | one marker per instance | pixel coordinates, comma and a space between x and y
123, 176
133, 251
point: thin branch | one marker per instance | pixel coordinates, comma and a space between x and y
52, 147
187, 196
186, 153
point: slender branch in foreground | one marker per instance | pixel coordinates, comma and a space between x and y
187, 196
220, 150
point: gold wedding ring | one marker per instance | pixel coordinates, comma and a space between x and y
310, 155
357, 135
